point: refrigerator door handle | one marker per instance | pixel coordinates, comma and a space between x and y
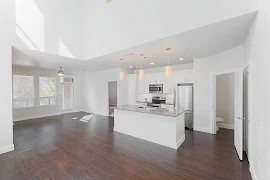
174, 96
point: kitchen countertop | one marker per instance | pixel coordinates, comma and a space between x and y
150, 110
151, 102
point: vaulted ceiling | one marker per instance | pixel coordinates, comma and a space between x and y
200, 42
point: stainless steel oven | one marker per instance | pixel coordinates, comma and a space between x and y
156, 88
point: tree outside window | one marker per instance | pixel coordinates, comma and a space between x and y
47, 91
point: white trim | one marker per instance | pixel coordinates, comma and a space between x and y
213, 106
227, 72
234, 71
100, 114
181, 140
6, 149
225, 126
42, 115
201, 129
252, 172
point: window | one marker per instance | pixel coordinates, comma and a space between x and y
23, 91
47, 91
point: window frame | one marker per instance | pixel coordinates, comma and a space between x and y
39, 97
34, 93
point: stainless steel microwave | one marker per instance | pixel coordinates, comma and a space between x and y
156, 88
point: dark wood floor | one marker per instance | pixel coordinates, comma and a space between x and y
61, 148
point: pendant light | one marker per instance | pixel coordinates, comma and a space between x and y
168, 71
60, 72
141, 72
122, 74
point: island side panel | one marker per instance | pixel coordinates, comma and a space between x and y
180, 129
154, 128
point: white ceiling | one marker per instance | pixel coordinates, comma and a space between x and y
201, 42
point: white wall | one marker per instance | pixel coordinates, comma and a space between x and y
51, 26
38, 111
225, 100
6, 33
95, 90
78, 91
257, 55
122, 24
204, 68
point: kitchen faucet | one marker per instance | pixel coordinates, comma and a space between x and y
145, 102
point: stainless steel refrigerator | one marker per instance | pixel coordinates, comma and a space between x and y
183, 99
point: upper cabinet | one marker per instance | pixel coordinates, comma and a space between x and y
154, 78
169, 83
143, 85
184, 76
150, 78
178, 77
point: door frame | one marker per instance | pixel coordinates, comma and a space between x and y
108, 95
247, 121
213, 96
61, 111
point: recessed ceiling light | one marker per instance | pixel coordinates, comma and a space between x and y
181, 59
130, 66
152, 63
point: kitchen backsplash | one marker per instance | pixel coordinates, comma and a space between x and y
141, 97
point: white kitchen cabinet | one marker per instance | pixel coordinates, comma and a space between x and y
166, 106
169, 83
184, 76
132, 88
154, 78
150, 78
143, 86
189, 78
180, 76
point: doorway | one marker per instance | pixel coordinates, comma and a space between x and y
112, 97
238, 108
66, 94
225, 101
246, 119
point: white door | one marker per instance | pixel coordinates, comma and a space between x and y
67, 97
213, 108
238, 112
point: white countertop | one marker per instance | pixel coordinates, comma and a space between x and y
151, 110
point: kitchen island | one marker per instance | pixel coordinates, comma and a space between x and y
158, 125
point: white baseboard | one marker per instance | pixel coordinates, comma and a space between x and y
43, 115
6, 149
100, 114
253, 175
226, 126
87, 111
35, 117
182, 139
201, 129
